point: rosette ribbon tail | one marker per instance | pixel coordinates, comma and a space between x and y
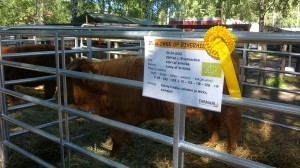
228, 68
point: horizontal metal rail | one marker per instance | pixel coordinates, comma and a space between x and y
95, 49
119, 125
103, 78
65, 143
30, 98
272, 88
26, 80
132, 129
242, 37
10, 108
271, 70
40, 53
49, 70
242, 102
220, 156
204, 151
89, 28
273, 107
272, 123
81, 50
277, 53
17, 40
28, 154
42, 126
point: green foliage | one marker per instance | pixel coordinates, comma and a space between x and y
275, 12
275, 81
18, 12
58, 11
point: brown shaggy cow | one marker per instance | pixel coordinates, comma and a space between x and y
126, 104
12, 73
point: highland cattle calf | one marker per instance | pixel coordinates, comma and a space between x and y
126, 104
12, 73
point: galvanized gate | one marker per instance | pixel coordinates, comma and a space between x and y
64, 114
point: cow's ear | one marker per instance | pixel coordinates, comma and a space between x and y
81, 65
74, 65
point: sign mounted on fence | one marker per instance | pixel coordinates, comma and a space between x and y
179, 70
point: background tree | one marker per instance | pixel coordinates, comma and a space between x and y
39, 12
74, 10
19, 12
267, 12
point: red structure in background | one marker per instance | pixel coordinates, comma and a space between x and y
196, 21
189, 24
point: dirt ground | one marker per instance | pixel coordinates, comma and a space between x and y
290, 82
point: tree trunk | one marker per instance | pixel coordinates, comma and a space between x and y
283, 49
263, 47
109, 8
147, 9
40, 12
74, 10
261, 15
219, 11
101, 4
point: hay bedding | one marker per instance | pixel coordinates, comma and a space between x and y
265, 143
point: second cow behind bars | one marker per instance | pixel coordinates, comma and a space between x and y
48, 60
126, 104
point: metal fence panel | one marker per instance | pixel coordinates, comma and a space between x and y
177, 141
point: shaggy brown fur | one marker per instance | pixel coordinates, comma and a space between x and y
126, 104
12, 73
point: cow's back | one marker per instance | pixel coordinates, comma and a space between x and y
41, 60
13, 73
122, 103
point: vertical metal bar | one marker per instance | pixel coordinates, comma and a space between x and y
245, 56
108, 46
141, 50
66, 115
81, 45
76, 42
178, 135
290, 57
35, 40
116, 45
3, 110
89, 46
81, 42
59, 111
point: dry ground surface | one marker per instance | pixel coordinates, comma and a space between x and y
262, 142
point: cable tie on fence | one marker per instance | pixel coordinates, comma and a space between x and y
150, 33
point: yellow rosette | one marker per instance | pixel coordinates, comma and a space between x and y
219, 42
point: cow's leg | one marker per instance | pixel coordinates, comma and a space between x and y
11, 100
213, 125
232, 121
119, 139
49, 89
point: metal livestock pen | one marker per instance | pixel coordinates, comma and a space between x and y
59, 34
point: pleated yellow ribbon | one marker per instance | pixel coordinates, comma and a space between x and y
219, 42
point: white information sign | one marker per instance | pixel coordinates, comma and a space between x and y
179, 70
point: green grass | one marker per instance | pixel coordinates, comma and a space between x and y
283, 82
277, 82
